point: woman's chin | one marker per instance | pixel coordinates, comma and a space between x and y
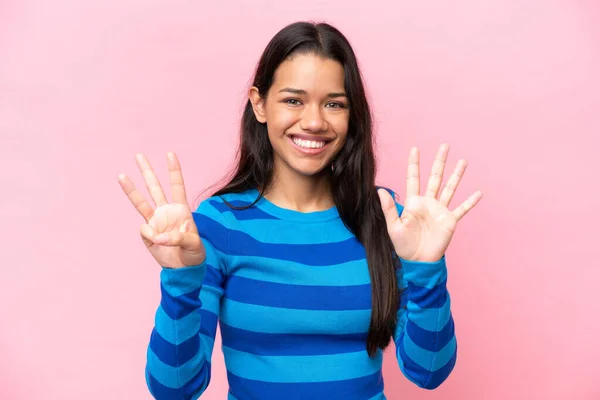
310, 169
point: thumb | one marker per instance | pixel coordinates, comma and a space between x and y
388, 206
147, 234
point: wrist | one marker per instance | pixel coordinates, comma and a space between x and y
424, 273
424, 260
183, 280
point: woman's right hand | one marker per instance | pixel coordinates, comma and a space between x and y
169, 231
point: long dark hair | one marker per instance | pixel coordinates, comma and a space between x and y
353, 175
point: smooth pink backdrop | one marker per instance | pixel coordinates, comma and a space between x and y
513, 86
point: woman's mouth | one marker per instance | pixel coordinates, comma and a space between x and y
309, 145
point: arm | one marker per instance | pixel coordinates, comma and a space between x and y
424, 337
181, 344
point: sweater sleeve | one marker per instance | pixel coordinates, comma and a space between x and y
424, 337
182, 339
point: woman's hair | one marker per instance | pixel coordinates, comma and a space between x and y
353, 175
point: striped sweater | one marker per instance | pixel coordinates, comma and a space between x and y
292, 296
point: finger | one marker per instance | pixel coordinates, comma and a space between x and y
412, 173
437, 171
185, 240
452, 184
147, 234
467, 205
152, 183
176, 179
388, 206
136, 198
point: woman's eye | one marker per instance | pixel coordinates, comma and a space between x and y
293, 102
335, 105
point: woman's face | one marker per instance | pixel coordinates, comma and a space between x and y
306, 112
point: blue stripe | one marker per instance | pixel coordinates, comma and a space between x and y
190, 390
209, 323
430, 340
278, 271
285, 231
432, 360
210, 297
242, 244
213, 277
174, 355
300, 297
183, 328
166, 350
178, 281
430, 318
180, 306
283, 320
352, 389
179, 330
274, 344
421, 376
246, 214
426, 274
211, 231
322, 368
176, 331
428, 298
174, 377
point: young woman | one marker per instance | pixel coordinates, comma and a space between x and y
308, 267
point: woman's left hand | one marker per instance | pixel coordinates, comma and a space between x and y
426, 226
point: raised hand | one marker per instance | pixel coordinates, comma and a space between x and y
426, 226
169, 231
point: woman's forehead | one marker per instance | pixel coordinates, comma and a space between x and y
311, 73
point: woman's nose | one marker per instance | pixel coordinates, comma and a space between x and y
312, 120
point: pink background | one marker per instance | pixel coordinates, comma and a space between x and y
513, 86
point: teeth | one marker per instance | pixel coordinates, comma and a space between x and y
309, 144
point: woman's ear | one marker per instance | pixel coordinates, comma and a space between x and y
258, 104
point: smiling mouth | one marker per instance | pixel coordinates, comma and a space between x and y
310, 143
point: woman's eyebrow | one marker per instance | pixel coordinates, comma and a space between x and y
304, 93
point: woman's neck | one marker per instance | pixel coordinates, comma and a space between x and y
294, 191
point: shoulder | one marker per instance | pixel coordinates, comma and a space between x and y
215, 206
